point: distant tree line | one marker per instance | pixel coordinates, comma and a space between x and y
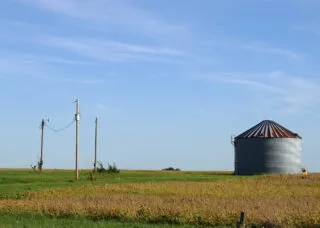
171, 169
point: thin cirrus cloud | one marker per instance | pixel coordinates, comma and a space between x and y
113, 13
258, 47
84, 81
24, 66
273, 50
312, 28
105, 107
296, 94
106, 50
40, 67
94, 47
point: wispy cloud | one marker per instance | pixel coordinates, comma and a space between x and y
84, 51
110, 50
113, 14
106, 50
259, 47
295, 94
105, 109
312, 28
94, 47
12, 65
64, 61
40, 67
242, 79
84, 81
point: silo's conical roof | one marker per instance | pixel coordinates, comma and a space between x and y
268, 129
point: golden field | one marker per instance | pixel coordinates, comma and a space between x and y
275, 200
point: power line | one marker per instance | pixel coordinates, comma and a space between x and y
61, 129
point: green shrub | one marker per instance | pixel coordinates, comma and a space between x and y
33, 167
37, 166
100, 168
171, 169
112, 168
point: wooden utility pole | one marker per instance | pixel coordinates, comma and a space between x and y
41, 155
95, 145
77, 118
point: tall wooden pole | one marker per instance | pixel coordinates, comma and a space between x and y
77, 118
95, 145
41, 155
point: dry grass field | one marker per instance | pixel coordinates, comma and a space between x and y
272, 200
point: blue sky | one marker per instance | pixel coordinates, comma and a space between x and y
169, 80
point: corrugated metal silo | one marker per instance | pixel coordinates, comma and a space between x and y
267, 148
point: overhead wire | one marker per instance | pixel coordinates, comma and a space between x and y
60, 129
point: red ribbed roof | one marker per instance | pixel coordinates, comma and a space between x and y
268, 129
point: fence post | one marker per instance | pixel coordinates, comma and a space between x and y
241, 222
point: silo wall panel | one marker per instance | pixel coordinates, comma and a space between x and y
267, 155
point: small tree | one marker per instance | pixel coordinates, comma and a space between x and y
100, 168
112, 168
171, 169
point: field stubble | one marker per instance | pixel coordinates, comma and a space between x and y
283, 200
